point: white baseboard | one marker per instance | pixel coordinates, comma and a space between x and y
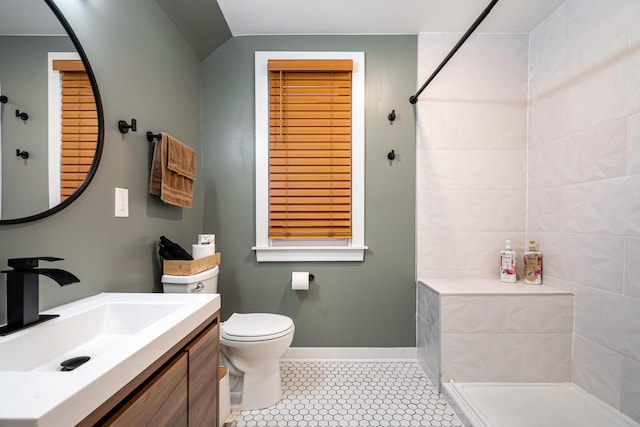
352, 353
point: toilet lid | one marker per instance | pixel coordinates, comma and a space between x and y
255, 326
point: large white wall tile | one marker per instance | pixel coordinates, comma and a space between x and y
632, 267
428, 332
597, 369
491, 86
492, 51
506, 357
604, 206
634, 21
592, 154
546, 117
596, 33
632, 81
428, 306
450, 125
593, 260
473, 170
546, 165
474, 252
599, 153
477, 211
597, 96
610, 320
547, 54
543, 210
633, 145
630, 394
507, 314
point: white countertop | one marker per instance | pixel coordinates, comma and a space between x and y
33, 390
488, 287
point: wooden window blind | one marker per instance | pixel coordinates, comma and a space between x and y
79, 125
309, 149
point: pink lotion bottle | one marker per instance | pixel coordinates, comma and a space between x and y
533, 265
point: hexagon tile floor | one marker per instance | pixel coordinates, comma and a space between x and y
348, 393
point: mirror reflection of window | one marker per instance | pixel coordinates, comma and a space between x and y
73, 126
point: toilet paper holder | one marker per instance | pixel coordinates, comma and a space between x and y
301, 280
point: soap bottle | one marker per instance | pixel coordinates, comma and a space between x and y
508, 264
533, 265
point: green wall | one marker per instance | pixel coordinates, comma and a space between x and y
24, 80
145, 70
352, 304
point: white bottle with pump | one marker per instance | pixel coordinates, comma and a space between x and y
508, 264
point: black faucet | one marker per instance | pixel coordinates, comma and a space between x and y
23, 292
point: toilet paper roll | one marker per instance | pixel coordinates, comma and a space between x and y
201, 251
300, 280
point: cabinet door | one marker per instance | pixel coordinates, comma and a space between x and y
162, 402
203, 379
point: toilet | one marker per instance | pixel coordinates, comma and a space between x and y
251, 345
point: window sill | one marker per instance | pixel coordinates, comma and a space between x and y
309, 253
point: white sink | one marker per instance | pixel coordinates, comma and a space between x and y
121, 333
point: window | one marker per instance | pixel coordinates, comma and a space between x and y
310, 156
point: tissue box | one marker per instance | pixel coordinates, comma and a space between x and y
187, 268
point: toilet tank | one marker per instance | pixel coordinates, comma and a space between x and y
204, 282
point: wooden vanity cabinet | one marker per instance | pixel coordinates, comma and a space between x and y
181, 389
203, 373
162, 402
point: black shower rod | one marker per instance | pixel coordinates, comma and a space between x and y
413, 99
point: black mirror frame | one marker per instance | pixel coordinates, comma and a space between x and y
99, 143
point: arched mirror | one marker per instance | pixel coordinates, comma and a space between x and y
51, 122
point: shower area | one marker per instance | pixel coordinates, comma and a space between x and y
523, 137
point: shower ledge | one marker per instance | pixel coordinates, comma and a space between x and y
488, 287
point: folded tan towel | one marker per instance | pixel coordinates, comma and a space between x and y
173, 171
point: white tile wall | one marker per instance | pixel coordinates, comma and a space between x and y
428, 333
633, 144
630, 390
632, 267
584, 182
597, 369
514, 338
471, 153
514, 357
507, 314
494, 337
582, 143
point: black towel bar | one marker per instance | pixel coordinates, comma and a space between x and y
151, 136
3, 99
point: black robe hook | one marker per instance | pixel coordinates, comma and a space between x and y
22, 115
124, 127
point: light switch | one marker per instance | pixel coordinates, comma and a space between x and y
122, 202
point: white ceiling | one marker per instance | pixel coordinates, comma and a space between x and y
261, 17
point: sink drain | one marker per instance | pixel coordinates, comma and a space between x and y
73, 363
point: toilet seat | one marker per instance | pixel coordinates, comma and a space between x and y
249, 327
